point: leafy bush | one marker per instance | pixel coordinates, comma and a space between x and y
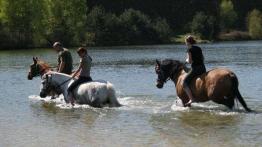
131, 27
254, 22
137, 27
163, 30
203, 25
228, 16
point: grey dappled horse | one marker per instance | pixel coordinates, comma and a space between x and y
94, 93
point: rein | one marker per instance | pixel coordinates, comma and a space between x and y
59, 85
64, 82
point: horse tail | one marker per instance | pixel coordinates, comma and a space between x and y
237, 93
112, 95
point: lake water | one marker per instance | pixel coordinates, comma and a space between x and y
149, 116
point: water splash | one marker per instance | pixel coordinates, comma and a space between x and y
145, 104
204, 107
36, 98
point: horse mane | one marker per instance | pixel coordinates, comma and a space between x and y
171, 61
43, 64
58, 73
174, 65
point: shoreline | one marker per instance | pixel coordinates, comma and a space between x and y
199, 41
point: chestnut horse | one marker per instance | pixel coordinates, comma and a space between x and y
38, 68
219, 85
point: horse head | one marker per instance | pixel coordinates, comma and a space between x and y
166, 70
49, 86
37, 68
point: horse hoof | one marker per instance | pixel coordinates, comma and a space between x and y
188, 104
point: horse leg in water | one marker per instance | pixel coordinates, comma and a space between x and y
96, 103
113, 101
227, 101
224, 97
94, 98
111, 96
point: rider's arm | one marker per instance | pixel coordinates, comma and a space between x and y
61, 66
78, 70
189, 58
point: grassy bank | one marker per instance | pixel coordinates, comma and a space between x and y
180, 39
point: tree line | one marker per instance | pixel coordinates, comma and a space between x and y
39, 23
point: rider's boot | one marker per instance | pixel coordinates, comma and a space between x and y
190, 96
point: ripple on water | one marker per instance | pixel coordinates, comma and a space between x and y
204, 107
146, 104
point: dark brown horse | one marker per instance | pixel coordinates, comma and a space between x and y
219, 85
38, 68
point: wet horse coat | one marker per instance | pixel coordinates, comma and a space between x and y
219, 85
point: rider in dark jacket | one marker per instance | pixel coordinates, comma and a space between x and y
196, 59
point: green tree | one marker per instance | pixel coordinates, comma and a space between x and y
228, 16
163, 30
254, 23
66, 21
203, 26
3, 33
131, 27
137, 27
22, 20
96, 25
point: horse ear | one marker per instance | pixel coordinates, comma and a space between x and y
35, 60
158, 62
157, 67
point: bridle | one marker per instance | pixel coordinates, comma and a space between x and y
37, 71
172, 74
48, 84
57, 87
161, 73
